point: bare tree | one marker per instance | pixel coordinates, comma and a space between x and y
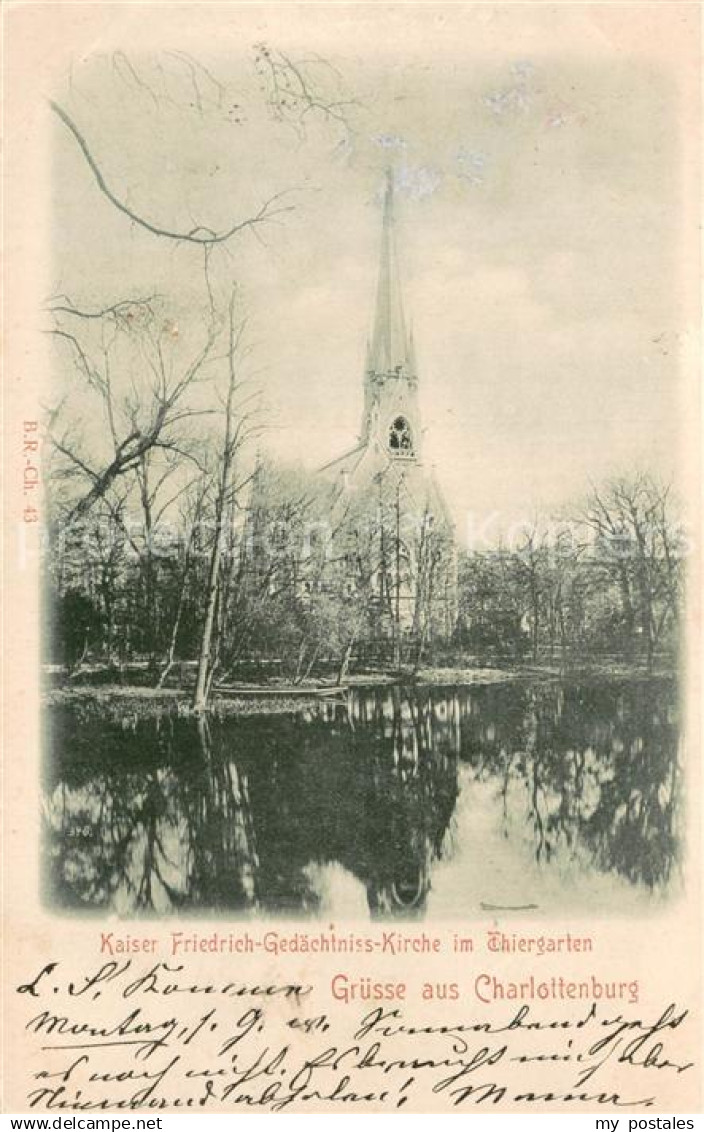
238, 425
137, 404
125, 434
194, 509
638, 544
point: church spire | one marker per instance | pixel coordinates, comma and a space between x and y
389, 344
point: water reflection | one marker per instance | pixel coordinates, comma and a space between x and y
394, 795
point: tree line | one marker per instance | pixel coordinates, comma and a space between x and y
606, 579
253, 574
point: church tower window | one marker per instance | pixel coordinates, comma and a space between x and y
400, 438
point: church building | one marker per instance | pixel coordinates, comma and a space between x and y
381, 494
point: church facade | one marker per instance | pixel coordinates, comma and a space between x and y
393, 530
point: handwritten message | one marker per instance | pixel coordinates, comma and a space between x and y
144, 1033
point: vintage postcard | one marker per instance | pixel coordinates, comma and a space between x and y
352, 627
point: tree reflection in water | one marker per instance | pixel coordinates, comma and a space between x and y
171, 814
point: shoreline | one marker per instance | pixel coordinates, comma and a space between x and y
145, 701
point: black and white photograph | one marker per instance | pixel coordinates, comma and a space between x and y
365, 557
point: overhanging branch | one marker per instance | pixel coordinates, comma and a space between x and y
200, 235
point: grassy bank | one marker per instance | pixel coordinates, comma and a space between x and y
123, 702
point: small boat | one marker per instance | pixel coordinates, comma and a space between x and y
237, 690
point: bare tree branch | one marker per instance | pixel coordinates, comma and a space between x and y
200, 235
117, 310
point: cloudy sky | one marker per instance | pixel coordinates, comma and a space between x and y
538, 155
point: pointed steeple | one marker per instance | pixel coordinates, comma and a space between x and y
389, 344
412, 363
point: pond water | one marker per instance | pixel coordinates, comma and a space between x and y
416, 803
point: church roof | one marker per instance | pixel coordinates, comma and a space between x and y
347, 462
